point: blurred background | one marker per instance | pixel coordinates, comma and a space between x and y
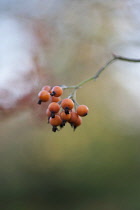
61, 42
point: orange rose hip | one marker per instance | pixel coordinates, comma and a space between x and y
55, 99
48, 113
55, 121
67, 104
82, 110
43, 96
65, 116
47, 88
73, 118
56, 91
54, 107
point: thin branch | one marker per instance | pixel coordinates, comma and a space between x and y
118, 57
103, 68
97, 74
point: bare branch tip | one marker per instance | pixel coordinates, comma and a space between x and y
114, 55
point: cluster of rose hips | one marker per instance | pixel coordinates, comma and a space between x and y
59, 111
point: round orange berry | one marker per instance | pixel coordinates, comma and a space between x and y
44, 96
73, 118
47, 88
78, 122
82, 110
55, 99
56, 91
67, 104
54, 107
65, 116
55, 121
48, 113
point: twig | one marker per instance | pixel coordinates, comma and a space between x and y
97, 74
